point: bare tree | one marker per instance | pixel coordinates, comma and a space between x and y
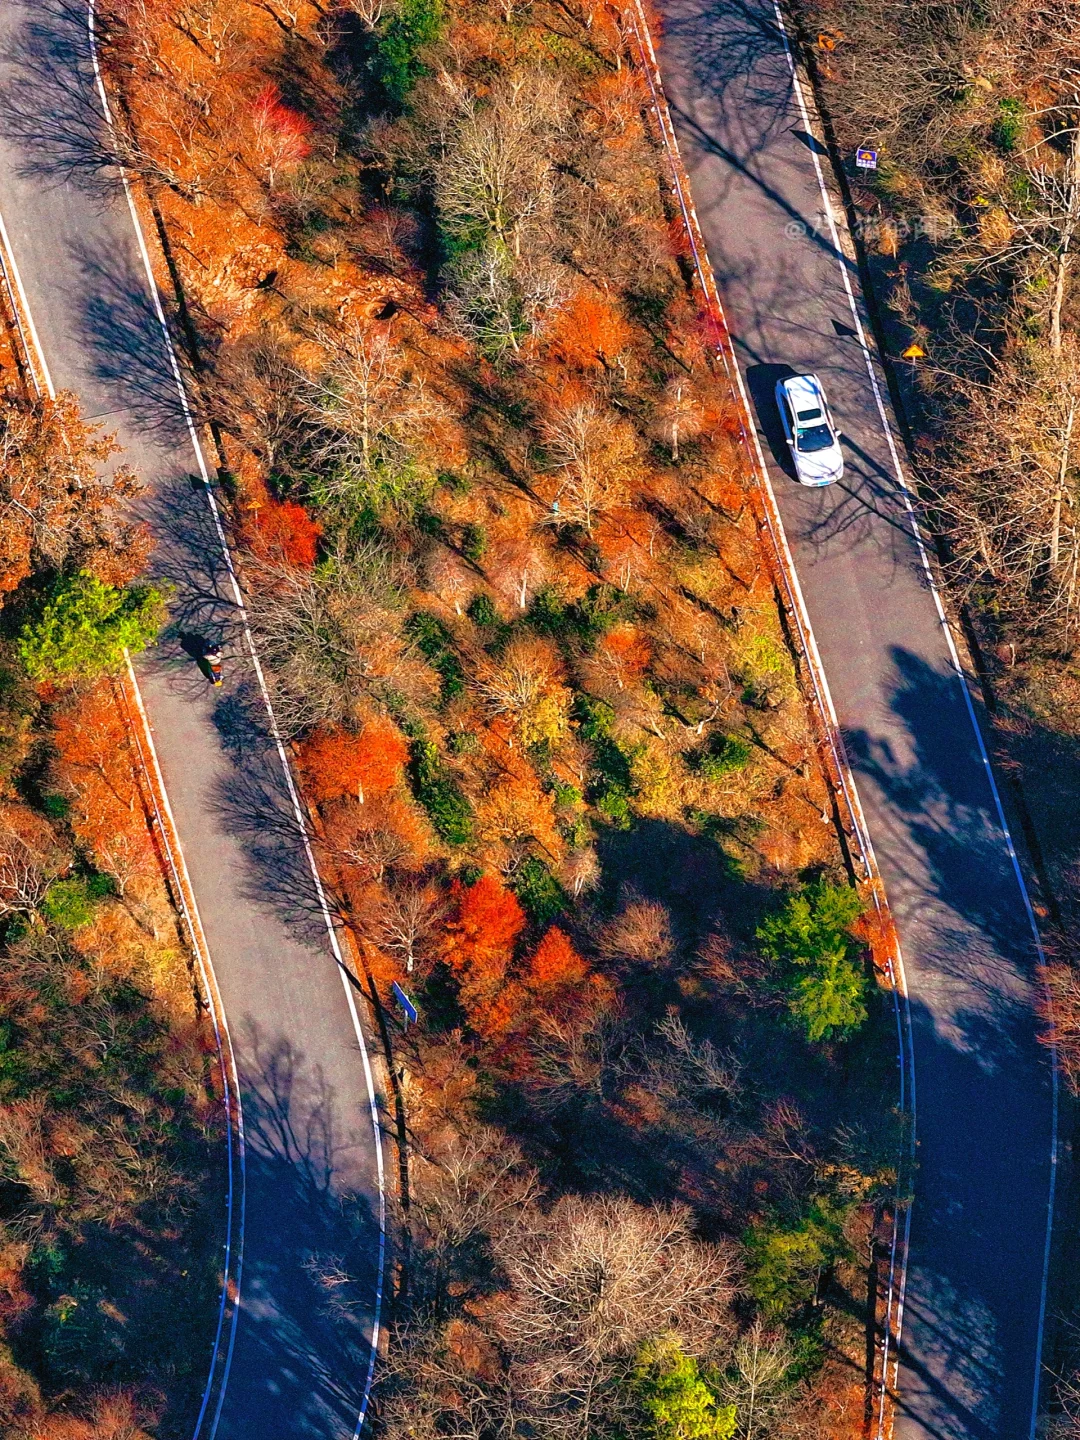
756, 1381
369, 414
407, 920
256, 394
696, 1067
498, 174
641, 932
1006, 496
581, 870
22, 1135
26, 872
904, 65
574, 1060
491, 155
681, 415
332, 638
474, 1184
596, 453
524, 683
594, 1277
373, 846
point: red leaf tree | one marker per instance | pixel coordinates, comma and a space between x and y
480, 939
282, 532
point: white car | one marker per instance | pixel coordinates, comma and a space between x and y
808, 427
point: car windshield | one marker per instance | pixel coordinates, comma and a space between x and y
818, 437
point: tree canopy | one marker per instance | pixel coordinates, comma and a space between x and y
85, 626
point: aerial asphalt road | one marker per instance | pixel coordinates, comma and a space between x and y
299, 1361
970, 1352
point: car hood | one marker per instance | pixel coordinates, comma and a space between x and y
820, 467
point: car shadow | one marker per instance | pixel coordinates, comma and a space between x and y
761, 382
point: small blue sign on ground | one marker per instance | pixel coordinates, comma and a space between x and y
405, 1003
866, 159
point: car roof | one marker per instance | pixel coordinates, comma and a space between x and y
803, 387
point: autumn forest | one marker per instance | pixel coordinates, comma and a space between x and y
481, 467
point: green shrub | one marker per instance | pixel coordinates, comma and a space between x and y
473, 542
538, 890
70, 903
613, 803
447, 808
548, 613
81, 1334
594, 717
812, 940
428, 523
435, 643
785, 1262
722, 755
482, 610
676, 1400
85, 626
611, 785
601, 607
374, 485
829, 999
1007, 128
409, 30
462, 742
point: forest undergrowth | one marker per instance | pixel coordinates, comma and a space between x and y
482, 466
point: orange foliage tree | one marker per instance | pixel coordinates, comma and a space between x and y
336, 764
94, 765
555, 963
588, 332
623, 654
484, 926
59, 506
283, 532
383, 835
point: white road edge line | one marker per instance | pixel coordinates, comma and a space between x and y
335, 947
827, 207
181, 879
27, 314
230, 1077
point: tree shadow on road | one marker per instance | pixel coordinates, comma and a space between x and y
311, 1247
982, 1078
121, 331
49, 103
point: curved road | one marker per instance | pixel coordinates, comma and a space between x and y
972, 1323
299, 1360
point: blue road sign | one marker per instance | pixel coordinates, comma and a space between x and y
405, 1003
866, 159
